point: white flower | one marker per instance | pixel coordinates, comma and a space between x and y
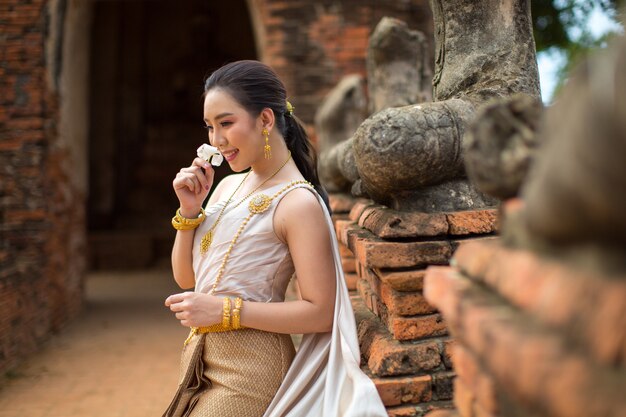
210, 153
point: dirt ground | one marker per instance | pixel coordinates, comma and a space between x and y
118, 359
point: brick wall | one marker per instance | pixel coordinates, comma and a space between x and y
312, 44
41, 214
535, 337
404, 340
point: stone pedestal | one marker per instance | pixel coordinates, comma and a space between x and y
534, 337
404, 340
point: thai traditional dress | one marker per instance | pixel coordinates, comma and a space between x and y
248, 372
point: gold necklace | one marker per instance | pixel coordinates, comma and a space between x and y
205, 243
207, 239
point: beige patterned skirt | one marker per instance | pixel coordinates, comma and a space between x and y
235, 373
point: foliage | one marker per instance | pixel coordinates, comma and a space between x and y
562, 26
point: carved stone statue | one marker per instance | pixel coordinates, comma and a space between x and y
500, 144
341, 113
410, 158
398, 74
575, 195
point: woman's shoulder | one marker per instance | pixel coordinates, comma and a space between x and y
299, 200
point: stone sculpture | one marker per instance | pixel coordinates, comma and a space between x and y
398, 74
500, 144
341, 113
410, 158
575, 196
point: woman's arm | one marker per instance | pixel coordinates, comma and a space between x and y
192, 186
298, 221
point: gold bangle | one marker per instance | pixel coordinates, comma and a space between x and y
236, 316
183, 223
226, 313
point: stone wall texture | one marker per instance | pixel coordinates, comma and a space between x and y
405, 344
41, 214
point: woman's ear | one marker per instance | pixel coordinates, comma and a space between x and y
267, 118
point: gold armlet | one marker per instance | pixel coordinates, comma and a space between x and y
226, 314
236, 313
182, 223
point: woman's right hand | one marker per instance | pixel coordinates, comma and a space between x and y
192, 186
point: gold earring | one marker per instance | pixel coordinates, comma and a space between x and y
267, 149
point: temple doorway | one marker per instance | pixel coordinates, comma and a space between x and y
148, 63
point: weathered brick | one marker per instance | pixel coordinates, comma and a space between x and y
402, 280
590, 309
375, 253
463, 399
398, 303
536, 364
351, 280
442, 385
358, 208
402, 390
388, 357
390, 224
417, 327
348, 265
472, 222
402, 327
344, 251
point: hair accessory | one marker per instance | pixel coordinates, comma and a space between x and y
290, 109
267, 149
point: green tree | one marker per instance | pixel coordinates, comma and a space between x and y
562, 25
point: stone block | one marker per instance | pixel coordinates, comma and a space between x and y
442, 385
463, 399
387, 356
375, 253
402, 280
402, 327
351, 280
398, 303
402, 390
348, 265
390, 224
433, 408
357, 209
589, 308
527, 360
472, 222
387, 223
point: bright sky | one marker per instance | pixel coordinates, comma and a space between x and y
550, 61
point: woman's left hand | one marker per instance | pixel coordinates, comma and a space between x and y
195, 309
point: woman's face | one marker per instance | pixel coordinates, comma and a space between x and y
232, 130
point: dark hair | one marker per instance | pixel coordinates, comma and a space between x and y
256, 86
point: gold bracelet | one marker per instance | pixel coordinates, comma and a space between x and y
182, 223
236, 316
226, 314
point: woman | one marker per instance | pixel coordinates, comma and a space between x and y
239, 254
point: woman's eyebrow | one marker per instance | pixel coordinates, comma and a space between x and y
220, 116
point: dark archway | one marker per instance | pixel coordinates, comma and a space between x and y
148, 63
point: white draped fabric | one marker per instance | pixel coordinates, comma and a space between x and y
325, 379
